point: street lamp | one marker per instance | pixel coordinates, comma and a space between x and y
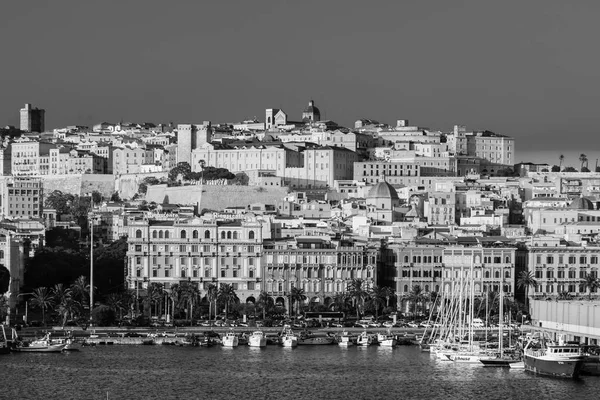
92, 219
26, 305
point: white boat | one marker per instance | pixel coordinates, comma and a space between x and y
345, 340
43, 345
288, 337
230, 340
386, 340
517, 365
257, 339
364, 339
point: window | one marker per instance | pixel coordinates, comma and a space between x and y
183, 273
138, 247
138, 234
583, 260
154, 273
160, 234
167, 273
251, 235
154, 234
138, 273
235, 273
223, 235
207, 273
251, 273
207, 234
166, 234
223, 273
183, 234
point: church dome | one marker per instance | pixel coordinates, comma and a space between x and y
581, 203
383, 190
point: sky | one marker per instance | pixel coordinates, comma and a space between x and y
527, 69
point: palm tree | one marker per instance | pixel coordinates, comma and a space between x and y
264, 301
114, 301
564, 296
358, 293
227, 295
297, 296
416, 296
583, 159
389, 294
190, 295
175, 297
591, 283
340, 302
377, 298
526, 280
212, 294
80, 289
60, 293
43, 299
67, 309
154, 294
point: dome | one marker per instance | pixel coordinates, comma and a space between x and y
383, 190
581, 203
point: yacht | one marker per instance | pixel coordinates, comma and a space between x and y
386, 340
257, 339
230, 340
43, 345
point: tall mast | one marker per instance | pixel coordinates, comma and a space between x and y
500, 321
471, 305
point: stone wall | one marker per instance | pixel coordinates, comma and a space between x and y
79, 184
215, 197
127, 184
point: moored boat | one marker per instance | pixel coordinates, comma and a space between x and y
386, 340
345, 340
230, 340
364, 339
554, 359
315, 340
43, 345
257, 339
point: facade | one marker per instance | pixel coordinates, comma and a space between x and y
191, 137
396, 173
22, 198
32, 119
318, 265
198, 251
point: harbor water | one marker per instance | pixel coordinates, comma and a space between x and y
305, 372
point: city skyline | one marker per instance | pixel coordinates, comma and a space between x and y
483, 66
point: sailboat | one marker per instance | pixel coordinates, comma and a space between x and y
501, 360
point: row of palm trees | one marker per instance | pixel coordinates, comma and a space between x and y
582, 159
68, 301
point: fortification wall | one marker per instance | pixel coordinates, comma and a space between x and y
215, 197
127, 184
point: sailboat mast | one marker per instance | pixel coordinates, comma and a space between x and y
501, 321
471, 306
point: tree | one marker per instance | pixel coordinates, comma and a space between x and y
297, 296
265, 302
182, 168
526, 280
50, 266
114, 301
569, 169
115, 198
80, 290
555, 168
340, 302
59, 201
96, 197
227, 295
60, 293
585, 169
583, 159
4, 279
416, 296
189, 295
591, 283
389, 294
148, 181
377, 298
42, 299
103, 316
212, 293
358, 293
154, 294
564, 296
561, 159
68, 308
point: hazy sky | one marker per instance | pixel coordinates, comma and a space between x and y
529, 69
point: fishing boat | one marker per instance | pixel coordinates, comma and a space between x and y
364, 339
230, 340
386, 340
307, 338
559, 359
257, 339
288, 337
43, 345
345, 340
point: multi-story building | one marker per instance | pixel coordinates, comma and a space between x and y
170, 251
440, 208
32, 119
318, 265
445, 267
561, 267
130, 159
396, 173
22, 198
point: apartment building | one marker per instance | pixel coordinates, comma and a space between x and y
170, 251
22, 197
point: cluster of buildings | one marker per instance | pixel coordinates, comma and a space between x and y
396, 206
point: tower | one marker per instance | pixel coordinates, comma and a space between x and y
32, 119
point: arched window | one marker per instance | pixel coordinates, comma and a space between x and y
207, 234
487, 274
507, 274
427, 288
166, 234
1, 253
183, 234
507, 260
195, 234
154, 234
406, 259
228, 234
138, 234
497, 274
223, 235
405, 288
160, 234
251, 235
235, 235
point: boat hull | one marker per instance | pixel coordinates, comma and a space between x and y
497, 362
289, 342
53, 348
464, 358
262, 342
315, 341
567, 368
388, 343
227, 342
